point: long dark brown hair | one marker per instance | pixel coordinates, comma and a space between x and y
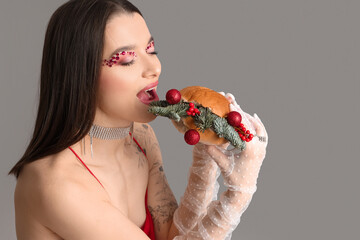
71, 61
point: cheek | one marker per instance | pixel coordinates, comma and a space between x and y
117, 89
115, 92
114, 85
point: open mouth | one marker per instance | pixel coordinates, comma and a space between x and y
151, 93
147, 96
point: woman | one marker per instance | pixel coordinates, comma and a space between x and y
93, 168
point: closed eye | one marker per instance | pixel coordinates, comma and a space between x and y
128, 64
132, 62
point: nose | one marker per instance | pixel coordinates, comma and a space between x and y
152, 67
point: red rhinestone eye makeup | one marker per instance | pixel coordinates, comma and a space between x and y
124, 57
120, 57
150, 46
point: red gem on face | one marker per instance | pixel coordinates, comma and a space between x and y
116, 56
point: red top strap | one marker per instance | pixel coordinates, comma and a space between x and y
85, 166
138, 145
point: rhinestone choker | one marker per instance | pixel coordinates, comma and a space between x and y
107, 133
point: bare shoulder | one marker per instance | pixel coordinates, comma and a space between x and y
145, 133
68, 207
50, 170
36, 175
142, 131
40, 177
146, 137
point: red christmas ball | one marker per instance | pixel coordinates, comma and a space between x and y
192, 137
234, 118
173, 96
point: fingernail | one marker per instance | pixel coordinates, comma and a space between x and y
257, 117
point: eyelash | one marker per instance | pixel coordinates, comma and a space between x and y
132, 62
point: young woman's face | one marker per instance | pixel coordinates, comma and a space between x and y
125, 73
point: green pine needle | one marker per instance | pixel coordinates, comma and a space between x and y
206, 119
165, 109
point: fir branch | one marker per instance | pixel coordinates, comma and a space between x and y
206, 119
225, 130
160, 103
165, 109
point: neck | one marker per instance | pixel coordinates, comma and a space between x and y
105, 150
108, 144
109, 133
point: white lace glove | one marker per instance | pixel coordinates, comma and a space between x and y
202, 188
240, 171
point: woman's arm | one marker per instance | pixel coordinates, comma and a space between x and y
161, 200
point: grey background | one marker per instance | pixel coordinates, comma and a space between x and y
294, 63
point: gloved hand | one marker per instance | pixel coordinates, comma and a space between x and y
240, 172
255, 150
202, 188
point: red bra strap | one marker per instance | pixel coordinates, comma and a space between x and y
90, 170
139, 145
85, 166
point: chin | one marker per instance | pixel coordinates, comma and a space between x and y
146, 118
150, 118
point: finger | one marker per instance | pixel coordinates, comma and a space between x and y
263, 127
221, 159
237, 108
225, 145
255, 123
259, 129
246, 120
225, 95
257, 117
232, 101
231, 98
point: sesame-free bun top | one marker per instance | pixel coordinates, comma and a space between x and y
206, 97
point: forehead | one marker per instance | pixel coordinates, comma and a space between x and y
125, 29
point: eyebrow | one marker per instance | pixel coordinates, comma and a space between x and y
129, 47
